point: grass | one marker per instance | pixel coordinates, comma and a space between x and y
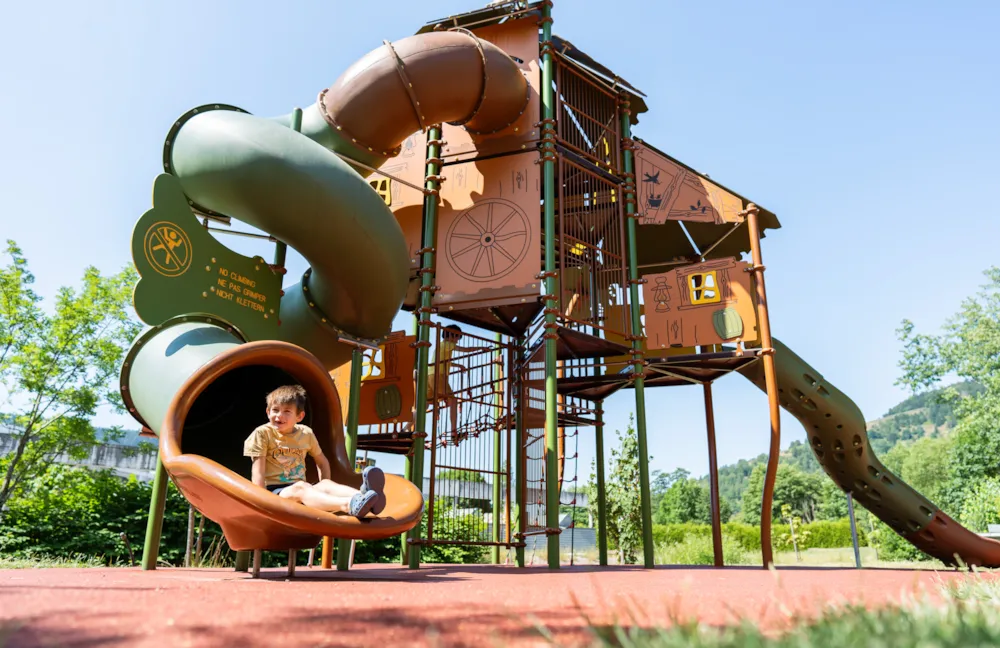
46, 562
965, 614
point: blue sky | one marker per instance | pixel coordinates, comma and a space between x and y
870, 129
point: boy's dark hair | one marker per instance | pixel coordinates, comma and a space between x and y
287, 395
452, 330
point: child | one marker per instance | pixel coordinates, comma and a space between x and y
450, 337
279, 448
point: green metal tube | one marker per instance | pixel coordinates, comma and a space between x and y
154, 522
640, 395
272, 178
408, 462
497, 449
602, 507
551, 288
351, 441
243, 561
427, 265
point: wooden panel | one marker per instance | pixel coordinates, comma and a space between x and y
668, 191
682, 303
489, 232
389, 371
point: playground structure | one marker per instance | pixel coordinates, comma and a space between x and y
482, 172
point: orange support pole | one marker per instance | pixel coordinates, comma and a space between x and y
326, 560
713, 478
771, 384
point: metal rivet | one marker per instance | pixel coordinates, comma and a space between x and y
213, 259
207, 268
204, 294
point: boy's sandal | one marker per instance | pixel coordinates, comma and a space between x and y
373, 479
362, 503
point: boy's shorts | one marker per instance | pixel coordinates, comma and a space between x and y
277, 488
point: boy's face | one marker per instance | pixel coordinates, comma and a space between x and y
284, 416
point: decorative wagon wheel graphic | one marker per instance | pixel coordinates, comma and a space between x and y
488, 240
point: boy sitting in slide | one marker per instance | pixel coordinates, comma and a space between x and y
278, 449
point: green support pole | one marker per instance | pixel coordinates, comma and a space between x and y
521, 479
432, 184
602, 524
154, 522
243, 561
497, 449
408, 462
548, 149
637, 354
351, 441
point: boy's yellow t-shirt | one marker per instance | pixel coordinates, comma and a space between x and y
286, 453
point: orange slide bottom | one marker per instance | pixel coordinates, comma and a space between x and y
201, 445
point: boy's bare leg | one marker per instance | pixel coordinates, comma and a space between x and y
312, 497
334, 489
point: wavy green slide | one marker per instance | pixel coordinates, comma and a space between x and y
838, 436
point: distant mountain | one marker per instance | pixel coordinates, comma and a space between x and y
915, 417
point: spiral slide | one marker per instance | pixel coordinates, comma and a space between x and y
198, 380
838, 436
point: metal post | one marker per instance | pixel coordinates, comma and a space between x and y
520, 463
771, 385
713, 477
154, 522
257, 555
548, 150
189, 545
404, 548
351, 439
242, 561
854, 530
428, 263
602, 507
497, 449
637, 353
292, 555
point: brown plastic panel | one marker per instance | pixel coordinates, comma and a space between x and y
674, 320
250, 516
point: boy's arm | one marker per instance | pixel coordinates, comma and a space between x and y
322, 465
257, 473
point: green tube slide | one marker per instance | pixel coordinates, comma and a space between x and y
838, 436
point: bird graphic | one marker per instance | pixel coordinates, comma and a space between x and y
653, 178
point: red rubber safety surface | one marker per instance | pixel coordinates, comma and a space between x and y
386, 605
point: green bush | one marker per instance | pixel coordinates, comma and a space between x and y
698, 550
68, 512
833, 534
892, 547
746, 535
825, 534
982, 506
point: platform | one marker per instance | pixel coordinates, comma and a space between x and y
387, 605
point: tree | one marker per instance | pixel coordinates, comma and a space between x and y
457, 474
58, 368
801, 491
623, 495
688, 500
969, 349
